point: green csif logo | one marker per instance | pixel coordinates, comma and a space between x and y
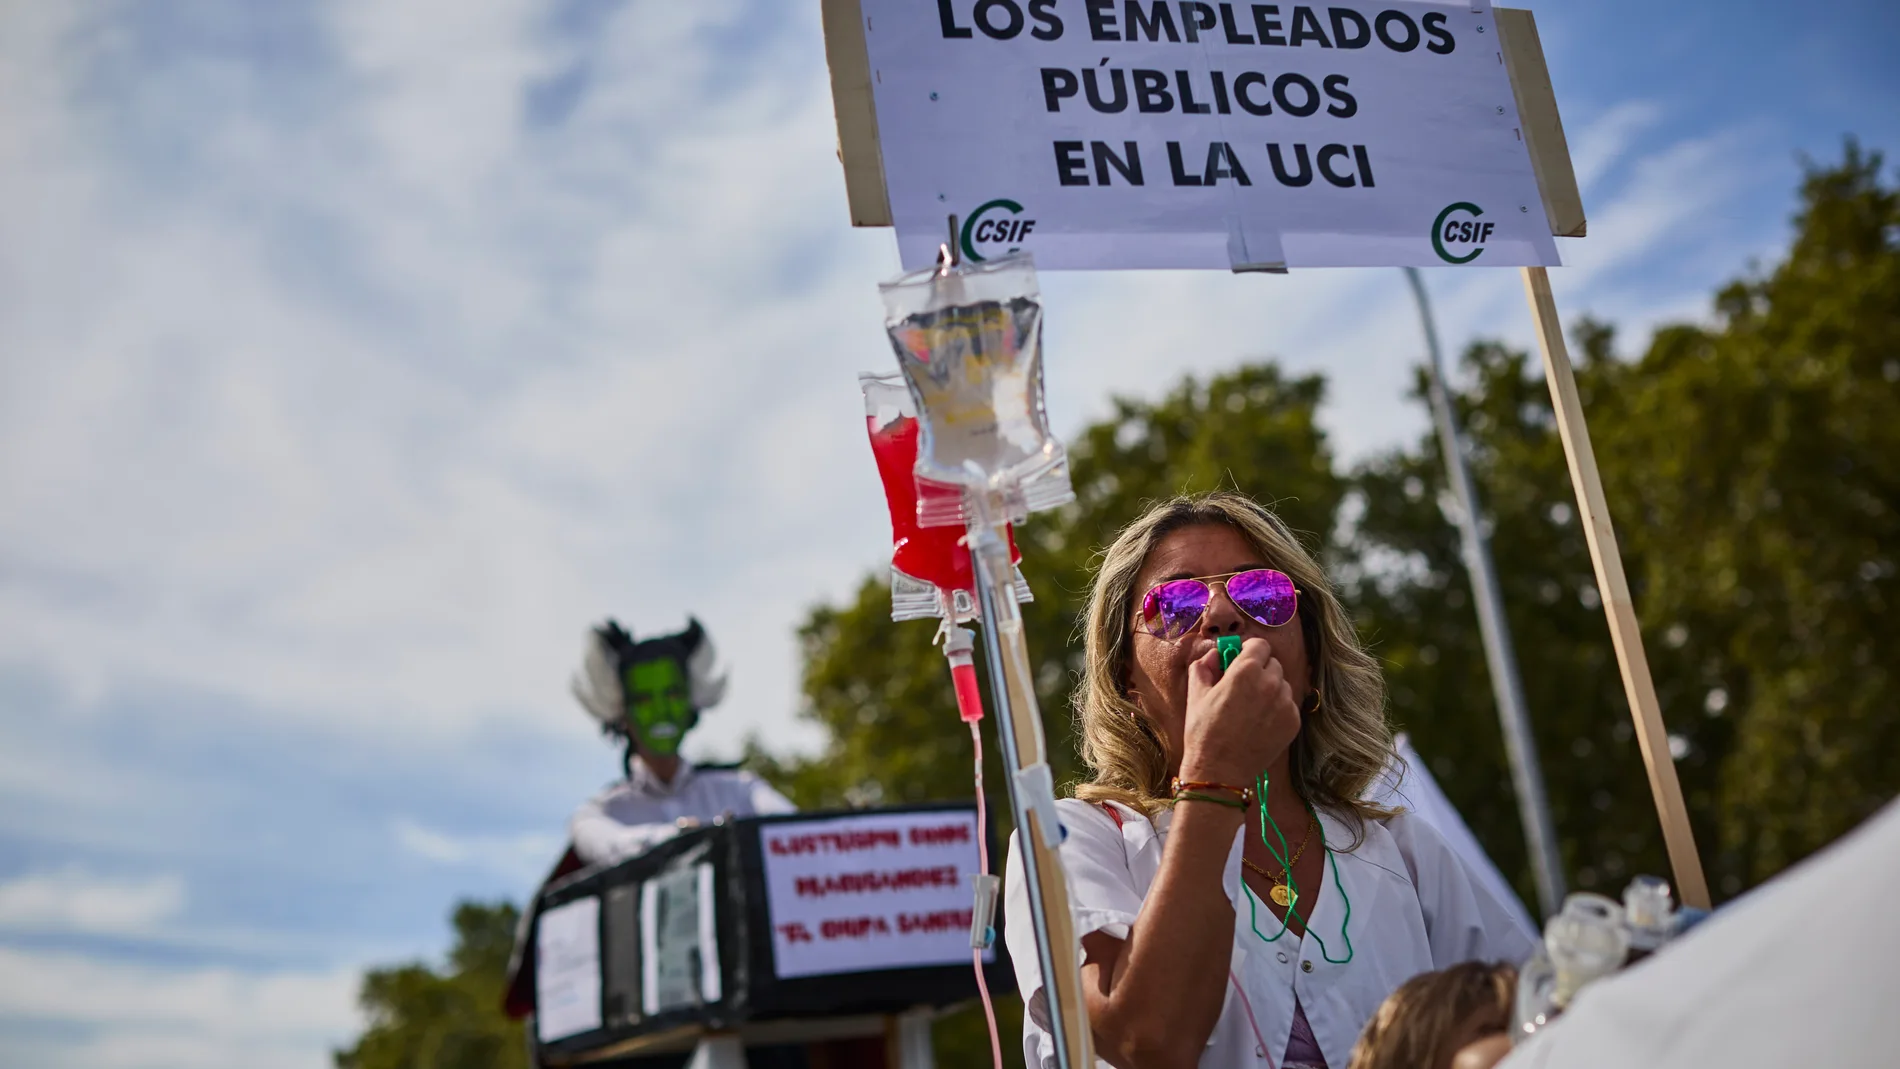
988, 226
1447, 229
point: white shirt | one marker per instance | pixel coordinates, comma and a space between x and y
1415, 907
632, 816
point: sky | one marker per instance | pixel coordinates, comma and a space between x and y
356, 356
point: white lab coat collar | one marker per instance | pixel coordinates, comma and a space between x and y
649, 785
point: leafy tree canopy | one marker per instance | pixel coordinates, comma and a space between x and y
422, 1018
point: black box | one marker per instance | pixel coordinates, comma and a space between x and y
640, 997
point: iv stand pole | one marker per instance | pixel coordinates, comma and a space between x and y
1024, 747
1031, 794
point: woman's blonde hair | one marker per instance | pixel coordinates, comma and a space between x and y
1344, 742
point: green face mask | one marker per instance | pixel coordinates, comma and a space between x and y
659, 704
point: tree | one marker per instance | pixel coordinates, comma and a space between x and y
1762, 457
420, 1018
1410, 596
1754, 470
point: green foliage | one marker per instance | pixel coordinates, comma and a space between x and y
420, 1018
1763, 458
1411, 599
1754, 471
1754, 475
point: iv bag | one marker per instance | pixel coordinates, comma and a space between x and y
968, 340
931, 573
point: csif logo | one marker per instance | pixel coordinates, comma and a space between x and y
1449, 229
989, 227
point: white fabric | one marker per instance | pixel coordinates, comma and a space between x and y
1408, 784
1803, 971
632, 816
1415, 906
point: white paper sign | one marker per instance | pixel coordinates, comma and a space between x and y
679, 940
881, 891
1177, 133
567, 970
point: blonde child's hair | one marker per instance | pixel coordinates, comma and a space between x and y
1433, 1015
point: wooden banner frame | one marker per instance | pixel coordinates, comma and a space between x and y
1522, 55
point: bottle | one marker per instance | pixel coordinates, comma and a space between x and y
1534, 1007
1649, 914
1584, 942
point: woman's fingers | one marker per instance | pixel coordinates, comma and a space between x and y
1225, 711
1258, 652
1259, 681
1256, 660
1203, 673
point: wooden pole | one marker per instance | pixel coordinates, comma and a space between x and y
1692, 887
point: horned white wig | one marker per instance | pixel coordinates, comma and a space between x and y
598, 683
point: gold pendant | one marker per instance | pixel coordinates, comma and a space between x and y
1282, 897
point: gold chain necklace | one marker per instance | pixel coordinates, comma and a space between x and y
1282, 895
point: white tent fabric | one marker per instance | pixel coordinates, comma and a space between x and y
1803, 971
1412, 786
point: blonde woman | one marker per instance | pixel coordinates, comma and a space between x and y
1223, 925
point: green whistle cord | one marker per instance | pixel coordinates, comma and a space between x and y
1280, 855
1229, 646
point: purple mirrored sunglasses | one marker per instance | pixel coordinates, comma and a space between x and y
1172, 609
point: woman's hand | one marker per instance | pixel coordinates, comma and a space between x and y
1238, 722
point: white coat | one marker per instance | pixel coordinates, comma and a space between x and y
632, 816
1415, 905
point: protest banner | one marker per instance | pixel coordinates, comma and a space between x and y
854, 894
1163, 133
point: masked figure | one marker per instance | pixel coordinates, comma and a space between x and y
650, 693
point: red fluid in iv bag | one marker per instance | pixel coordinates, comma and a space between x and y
933, 554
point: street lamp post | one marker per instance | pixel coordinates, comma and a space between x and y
1533, 804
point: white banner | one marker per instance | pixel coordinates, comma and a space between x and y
1180, 133
881, 891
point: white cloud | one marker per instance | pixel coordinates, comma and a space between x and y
140, 1016
263, 480
73, 900
524, 855
1606, 141
1659, 203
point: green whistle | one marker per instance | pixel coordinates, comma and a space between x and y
1229, 646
